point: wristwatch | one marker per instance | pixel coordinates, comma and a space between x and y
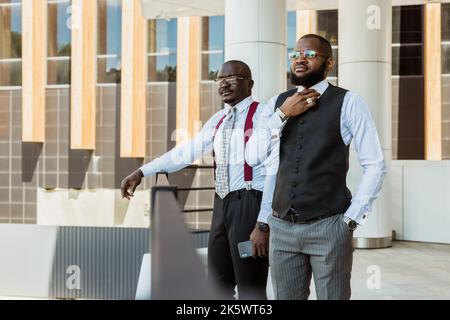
352, 225
282, 115
263, 227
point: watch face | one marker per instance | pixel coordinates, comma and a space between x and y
281, 114
352, 225
263, 227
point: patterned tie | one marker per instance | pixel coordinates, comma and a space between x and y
222, 185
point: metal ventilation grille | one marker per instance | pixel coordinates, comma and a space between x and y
101, 263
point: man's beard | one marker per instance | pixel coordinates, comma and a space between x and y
310, 79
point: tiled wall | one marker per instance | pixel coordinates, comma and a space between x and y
446, 117
26, 166
54, 160
61, 167
52, 165
161, 121
17, 164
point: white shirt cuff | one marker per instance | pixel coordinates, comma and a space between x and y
357, 213
263, 215
149, 169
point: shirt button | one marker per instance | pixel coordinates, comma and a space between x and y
294, 185
297, 160
300, 147
302, 122
300, 137
292, 195
296, 170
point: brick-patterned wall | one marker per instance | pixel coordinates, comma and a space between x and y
446, 117
17, 164
53, 165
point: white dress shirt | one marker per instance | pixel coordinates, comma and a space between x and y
357, 125
202, 144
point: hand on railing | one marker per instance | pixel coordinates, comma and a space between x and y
130, 183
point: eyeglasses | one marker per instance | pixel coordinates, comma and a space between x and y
307, 54
228, 80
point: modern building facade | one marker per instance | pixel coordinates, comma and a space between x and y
90, 90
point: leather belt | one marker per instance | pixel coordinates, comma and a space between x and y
295, 216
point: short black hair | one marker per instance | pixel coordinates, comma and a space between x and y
324, 43
245, 69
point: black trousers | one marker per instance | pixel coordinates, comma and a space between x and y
234, 219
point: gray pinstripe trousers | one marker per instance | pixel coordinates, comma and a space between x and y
298, 251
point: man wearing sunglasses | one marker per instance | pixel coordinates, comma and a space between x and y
238, 186
304, 135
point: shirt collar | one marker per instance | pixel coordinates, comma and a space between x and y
320, 87
241, 106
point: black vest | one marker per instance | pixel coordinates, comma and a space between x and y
313, 160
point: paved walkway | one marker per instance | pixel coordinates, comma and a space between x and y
407, 271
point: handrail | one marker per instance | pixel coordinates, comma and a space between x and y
196, 189
176, 269
165, 181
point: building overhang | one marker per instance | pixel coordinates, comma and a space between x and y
166, 9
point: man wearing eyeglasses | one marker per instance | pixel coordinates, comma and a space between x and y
304, 135
236, 216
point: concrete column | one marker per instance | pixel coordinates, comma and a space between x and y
365, 36
255, 32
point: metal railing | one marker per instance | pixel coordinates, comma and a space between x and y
163, 178
176, 269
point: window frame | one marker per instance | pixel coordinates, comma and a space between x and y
167, 53
105, 56
12, 60
57, 58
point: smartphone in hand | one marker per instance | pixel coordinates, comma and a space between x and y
245, 249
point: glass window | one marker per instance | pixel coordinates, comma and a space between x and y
407, 37
446, 38
334, 72
408, 83
109, 41
407, 60
291, 35
162, 50
10, 43
445, 21
211, 64
213, 44
59, 42
327, 25
446, 58
213, 33
407, 24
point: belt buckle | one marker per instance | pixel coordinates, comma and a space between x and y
248, 186
294, 217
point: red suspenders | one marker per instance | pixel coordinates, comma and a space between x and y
248, 131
